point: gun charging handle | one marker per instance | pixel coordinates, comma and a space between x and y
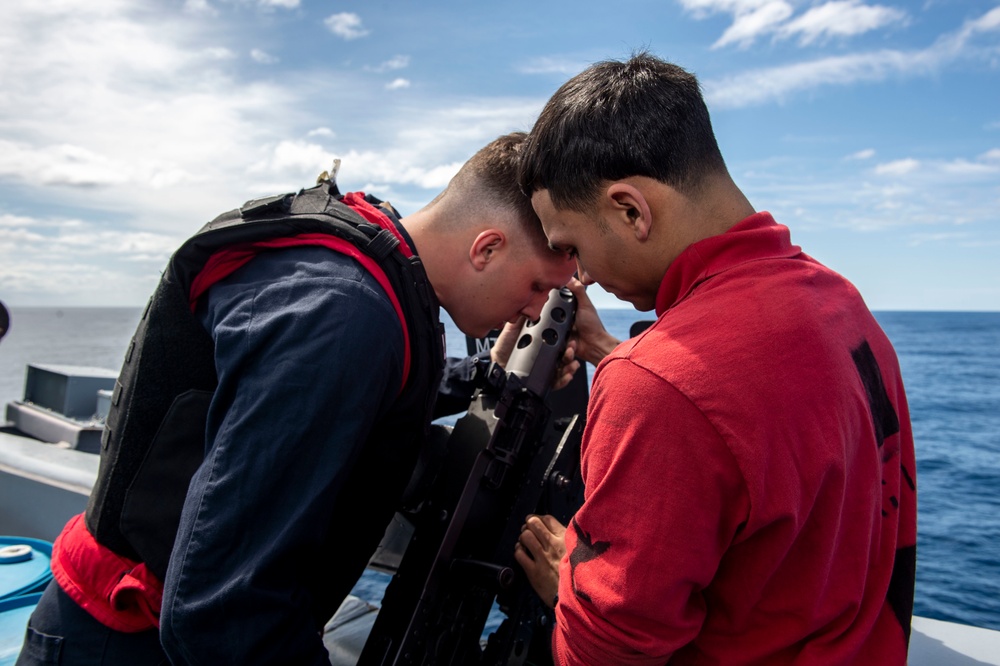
539, 349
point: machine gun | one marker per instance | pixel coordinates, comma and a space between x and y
511, 454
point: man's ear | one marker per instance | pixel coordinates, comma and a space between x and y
485, 247
629, 205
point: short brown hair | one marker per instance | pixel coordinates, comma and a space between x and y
490, 176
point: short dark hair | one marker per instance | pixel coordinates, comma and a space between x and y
642, 117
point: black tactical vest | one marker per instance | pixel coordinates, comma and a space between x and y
154, 439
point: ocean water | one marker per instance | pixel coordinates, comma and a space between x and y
951, 368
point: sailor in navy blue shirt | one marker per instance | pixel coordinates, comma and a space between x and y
309, 355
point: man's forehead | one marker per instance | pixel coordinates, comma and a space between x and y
541, 199
548, 215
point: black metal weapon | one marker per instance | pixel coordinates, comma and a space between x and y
513, 453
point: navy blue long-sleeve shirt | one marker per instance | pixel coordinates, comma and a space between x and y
308, 351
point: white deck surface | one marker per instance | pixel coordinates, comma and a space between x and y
937, 643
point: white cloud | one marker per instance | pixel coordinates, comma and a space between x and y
935, 238
54, 257
928, 195
120, 115
766, 85
865, 154
63, 164
384, 167
988, 22
955, 43
346, 25
284, 4
397, 84
757, 18
54, 235
263, 57
298, 157
219, 53
754, 20
933, 172
840, 18
777, 83
897, 167
199, 7
991, 155
394, 63
156, 119
967, 168
561, 66
703, 8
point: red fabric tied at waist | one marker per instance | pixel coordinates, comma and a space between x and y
118, 592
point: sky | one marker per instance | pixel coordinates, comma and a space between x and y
870, 128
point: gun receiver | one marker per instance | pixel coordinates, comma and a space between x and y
509, 456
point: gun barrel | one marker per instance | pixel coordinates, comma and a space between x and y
540, 346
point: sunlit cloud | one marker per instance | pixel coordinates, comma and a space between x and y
346, 25
840, 18
199, 7
865, 154
778, 83
916, 239
263, 57
298, 157
394, 63
561, 66
126, 110
897, 167
753, 19
63, 164
145, 125
219, 53
966, 167
905, 193
397, 84
54, 257
988, 22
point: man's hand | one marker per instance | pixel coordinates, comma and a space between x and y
539, 549
504, 345
593, 342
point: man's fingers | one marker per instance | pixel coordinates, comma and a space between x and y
553, 525
501, 350
544, 536
541, 569
536, 531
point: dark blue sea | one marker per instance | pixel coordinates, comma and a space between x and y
951, 367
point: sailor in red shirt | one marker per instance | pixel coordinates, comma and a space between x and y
748, 461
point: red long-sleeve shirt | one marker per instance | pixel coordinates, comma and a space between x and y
749, 474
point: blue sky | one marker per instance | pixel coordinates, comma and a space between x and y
870, 128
